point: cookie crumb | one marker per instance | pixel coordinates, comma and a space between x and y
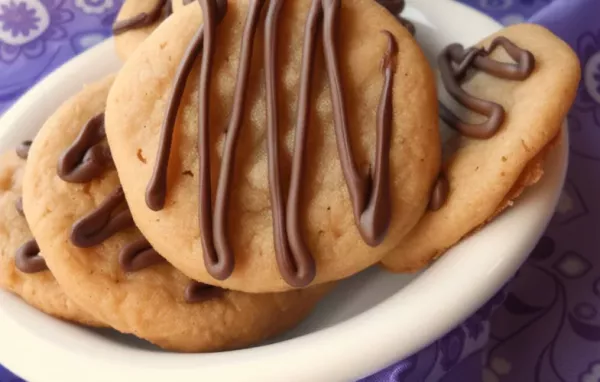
188, 173
140, 156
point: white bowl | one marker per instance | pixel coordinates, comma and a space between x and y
368, 322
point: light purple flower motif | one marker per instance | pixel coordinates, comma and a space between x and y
18, 18
28, 26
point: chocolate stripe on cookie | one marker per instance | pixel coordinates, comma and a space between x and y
87, 157
111, 216
138, 255
162, 9
224, 264
369, 193
28, 259
454, 63
294, 260
144, 19
199, 292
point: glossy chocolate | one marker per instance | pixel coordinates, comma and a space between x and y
28, 259
162, 8
440, 192
455, 62
138, 255
88, 156
110, 217
198, 292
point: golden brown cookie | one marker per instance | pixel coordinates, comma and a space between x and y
22, 270
487, 173
78, 213
363, 171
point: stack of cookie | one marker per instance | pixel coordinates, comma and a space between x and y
250, 153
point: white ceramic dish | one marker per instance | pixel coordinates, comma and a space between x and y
370, 321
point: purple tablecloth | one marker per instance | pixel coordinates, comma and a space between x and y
544, 326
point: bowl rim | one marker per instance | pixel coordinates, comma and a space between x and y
392, 330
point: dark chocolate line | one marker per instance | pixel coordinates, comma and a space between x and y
28, 259
359, 186
454, 63
143, 19
493, 111
221, 236
102, 222
294, 260
218, 267
440, 193
86, 158
138, 255
198, 292
157, 187
375, 218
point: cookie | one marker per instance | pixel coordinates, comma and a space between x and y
22, 270
305, 187
137, 19
525, 79
79, 216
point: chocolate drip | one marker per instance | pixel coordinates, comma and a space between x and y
28, 259
440, 192
111, 216
369, 194
157, 187
143, 19
19, 206
138, 255
375, 218
221, 235
360, 187
23, 149
454, 63
86, 158
294, 260
218, 266
199, 292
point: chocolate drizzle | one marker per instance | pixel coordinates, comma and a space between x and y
199, 292
455, 62
369, 193
28, 259
138, 255
144, 19
162, 10
23, 149
440, 192
111, 216
367, 205
87, 157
